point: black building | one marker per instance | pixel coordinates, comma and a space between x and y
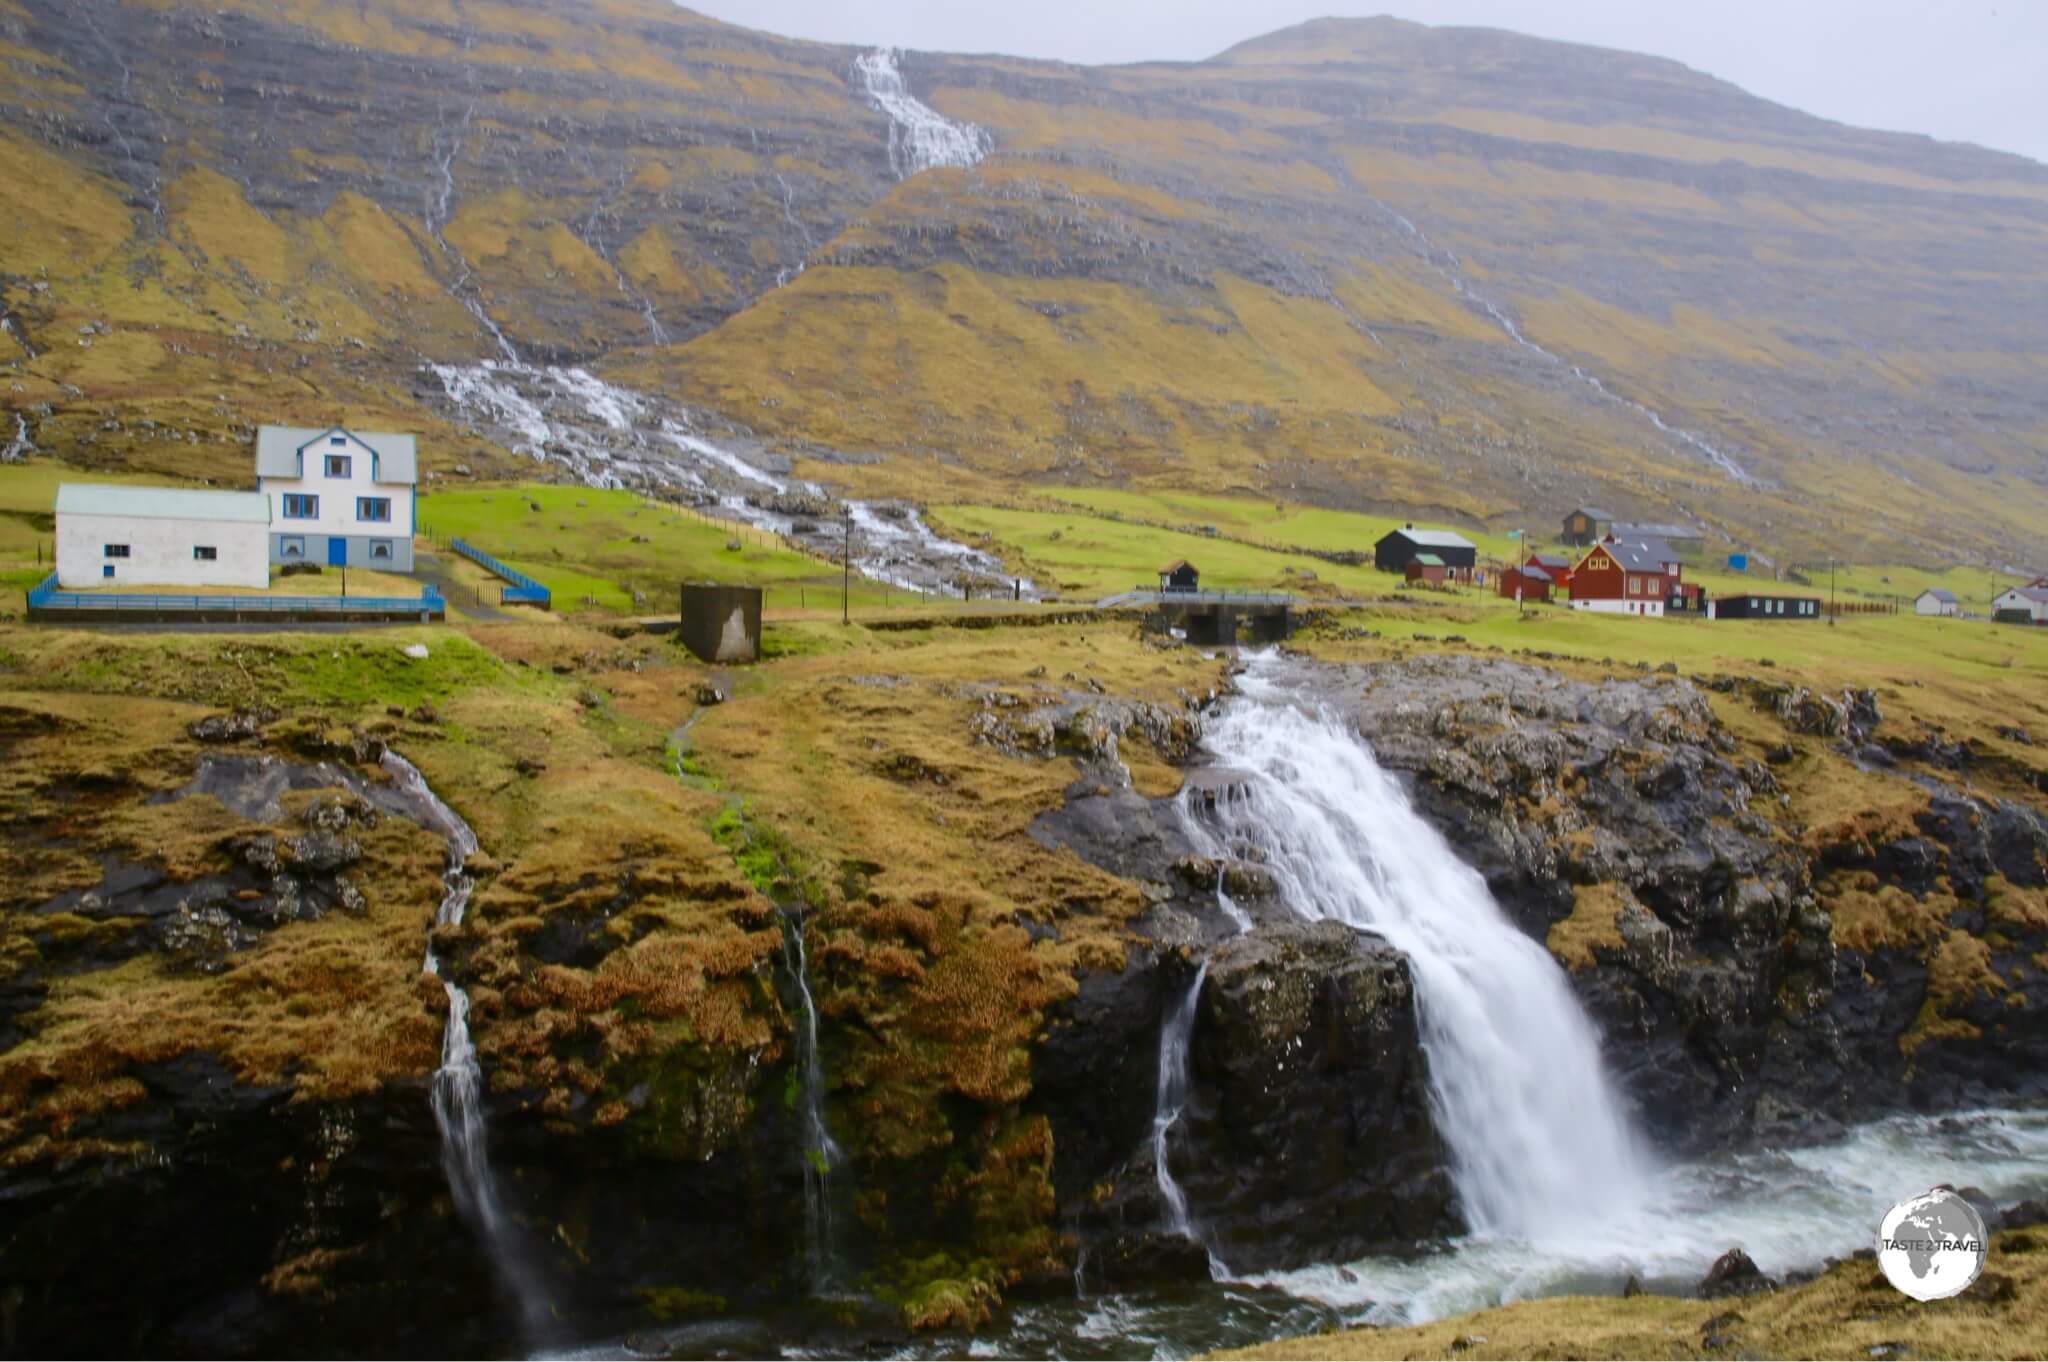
1179, 575
1397, 548
1757, 607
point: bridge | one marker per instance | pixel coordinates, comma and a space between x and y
1214, 617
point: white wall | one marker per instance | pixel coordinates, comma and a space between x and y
1627, 605
338, 496
2012, 600
160, 552
1929, 605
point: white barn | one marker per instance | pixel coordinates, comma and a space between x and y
338, 497
161, 536
1937, 601
2032, 601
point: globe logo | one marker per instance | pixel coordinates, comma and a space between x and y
1931, 1246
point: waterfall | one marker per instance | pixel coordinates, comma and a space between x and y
821, 1152
1174, 1034
458, 1083
1536, 1134
920, 137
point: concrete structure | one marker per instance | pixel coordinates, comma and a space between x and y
160, 536
1397, 548
2021, 605
338, 497
721, 623
1937, 601
1762, 607
1180, 575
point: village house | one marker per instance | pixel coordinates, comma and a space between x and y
1937, 601
1527, 583
1682, 538
1555, 566
1456, 554
1426, 568
1587, 526
1625, 578
161, 536
338, 497
1755, 606
2021, 605
1179, 575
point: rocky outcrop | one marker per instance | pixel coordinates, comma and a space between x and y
1308, 1133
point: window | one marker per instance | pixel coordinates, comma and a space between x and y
338, 465
374, 508
107, 571
380, 548
291, 546
337, 439
204, 553
115, 550
300, 507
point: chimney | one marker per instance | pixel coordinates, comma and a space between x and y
1409, 526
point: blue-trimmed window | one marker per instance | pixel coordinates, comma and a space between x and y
291, 546
298, 506
374, 508
338, 465
380, 550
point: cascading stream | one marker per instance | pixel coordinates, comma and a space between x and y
458, 1083
1537, 1136
822, 1153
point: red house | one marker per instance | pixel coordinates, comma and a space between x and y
1625, 579
1529, 583
1555, 566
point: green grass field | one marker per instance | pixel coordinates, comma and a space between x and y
1273, 523
582, 545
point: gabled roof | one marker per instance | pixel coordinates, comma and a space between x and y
2031, 593
1641, 556
161, 503
1940, 593
1593, 512
1655, 532
1532, 573
278, 450
1175, 566
1426, 560
1433, 539
1552, 561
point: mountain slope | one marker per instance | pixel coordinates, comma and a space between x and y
1450, 271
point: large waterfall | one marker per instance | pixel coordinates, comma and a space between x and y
920, 137
458, 1083
1536, 1134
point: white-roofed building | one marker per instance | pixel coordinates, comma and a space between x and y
338, 497
161, 536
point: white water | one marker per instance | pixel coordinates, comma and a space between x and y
1175, 1031
458, 1083
20, 445
822, 1154
1537, 1136
920, 137
616, 437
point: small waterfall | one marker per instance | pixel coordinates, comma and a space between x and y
1537, 1136
920, 137
458, 1083
1174, 1034
822, 1154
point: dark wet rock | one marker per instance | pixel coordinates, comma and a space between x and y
1047, 723
1734, 1273
2032, 1211
1990, 1288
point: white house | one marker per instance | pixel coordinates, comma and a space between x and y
161, 536
338, 497
2030, 600
1937, 601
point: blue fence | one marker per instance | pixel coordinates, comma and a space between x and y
47, 596
520, 589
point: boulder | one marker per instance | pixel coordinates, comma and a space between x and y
1734, 1273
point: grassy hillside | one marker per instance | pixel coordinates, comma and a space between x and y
1446, 274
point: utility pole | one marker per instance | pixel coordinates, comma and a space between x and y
1831, 591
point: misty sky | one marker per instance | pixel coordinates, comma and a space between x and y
1967, 70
